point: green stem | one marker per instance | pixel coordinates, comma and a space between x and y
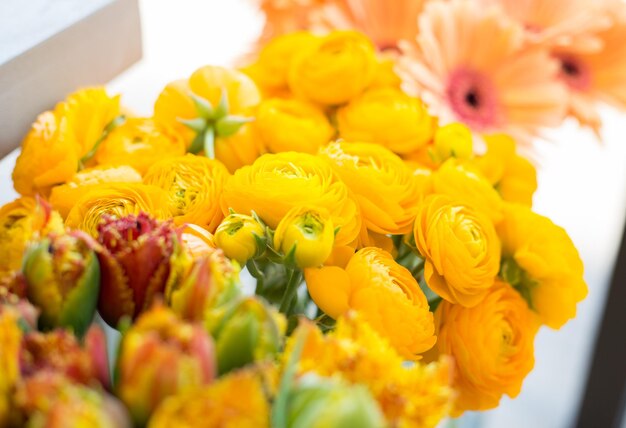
290, 291
257, 274
105, 133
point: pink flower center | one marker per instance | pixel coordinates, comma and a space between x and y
473, 99
574, 72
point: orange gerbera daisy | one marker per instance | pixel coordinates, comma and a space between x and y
385, 22
470, 65
286, 16
559, 22
600, 75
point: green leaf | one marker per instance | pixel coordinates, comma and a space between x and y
198, 124
281, 403
229, 125
105, 133
203, 106
80, 305
222, 108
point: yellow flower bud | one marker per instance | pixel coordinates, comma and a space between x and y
291, 124
238, 236
308, 232
453, 141
514, 177
334, 69
271, 67
389, 117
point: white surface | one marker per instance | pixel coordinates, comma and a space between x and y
582, 187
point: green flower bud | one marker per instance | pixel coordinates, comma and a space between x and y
63, 280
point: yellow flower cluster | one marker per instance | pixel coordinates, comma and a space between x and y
344, 199
409, 396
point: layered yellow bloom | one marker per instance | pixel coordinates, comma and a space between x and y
385, 295
270, 69
118, 200
237, 400
410, 396
492, 346
175, 102
64, 197
88, 112
10, 339
389, 117
59, 140
275, 183
539, 259
460, 248
513, 176
138, 143
239, 236
309, 233
194, 186
291, 124
333, 69
387, 191
48, 157
467, 186
20, 221
241, 148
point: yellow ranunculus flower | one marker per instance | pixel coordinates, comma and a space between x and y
539, 259
238, 236
175, 101
419, 395
514, 177
20, 222
290, 124
241, 148
385, 295
334, 69
194, 186
386, 76
270, 69
220, 404
64, 197
491, 344
387, 191
275, 183
138, 143
118, 200
453, 140
467, 186
88, 113
48, 157
460, 248
389, 117
53, 149
10, 340
310, 231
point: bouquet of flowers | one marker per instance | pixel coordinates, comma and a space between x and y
297, 243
